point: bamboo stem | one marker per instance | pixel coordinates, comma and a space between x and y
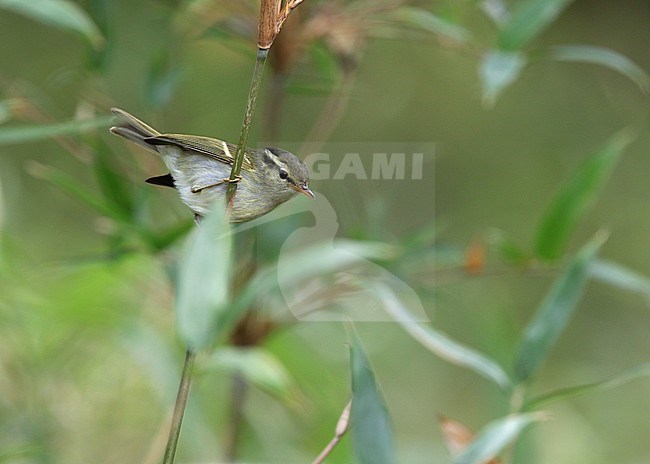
179, 407
272, 16
253, 93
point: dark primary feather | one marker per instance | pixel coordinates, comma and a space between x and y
166, 180
205, 145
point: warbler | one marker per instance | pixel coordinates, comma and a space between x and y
200, 170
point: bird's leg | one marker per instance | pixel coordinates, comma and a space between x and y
199, 188
197, 219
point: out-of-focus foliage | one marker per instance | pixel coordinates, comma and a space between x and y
564, 212
554, 314
203, 283
494, 437
371, 428
62, 14
98, 295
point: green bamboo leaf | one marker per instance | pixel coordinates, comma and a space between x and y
498, 70
22, 134
203, 282
575, 197
604, 57
372, 435
620, 276
554, 313
73, 188
615, 381
116, 189
62, 14
528, 20
259, 367
495, 437
440, 344
429, 22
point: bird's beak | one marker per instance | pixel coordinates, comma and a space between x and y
304, 189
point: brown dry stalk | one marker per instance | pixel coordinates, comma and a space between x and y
341, 428
272, 17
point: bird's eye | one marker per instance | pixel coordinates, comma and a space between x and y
283, 174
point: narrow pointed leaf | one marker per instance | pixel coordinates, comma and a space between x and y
495, 437
620, 276
203, 281
259, 367
62, 14
440, 344
115, 187
575, 197
554, 313
604, 57
528, 20
498, 70
429, 22
607, 384
73, 188
22, 134
371, 429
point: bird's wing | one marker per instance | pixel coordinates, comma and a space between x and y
214, 148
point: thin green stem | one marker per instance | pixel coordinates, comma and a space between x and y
253, 93
179, 407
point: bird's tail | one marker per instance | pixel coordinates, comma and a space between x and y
131, 128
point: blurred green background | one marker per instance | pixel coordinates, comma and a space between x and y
89, 359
